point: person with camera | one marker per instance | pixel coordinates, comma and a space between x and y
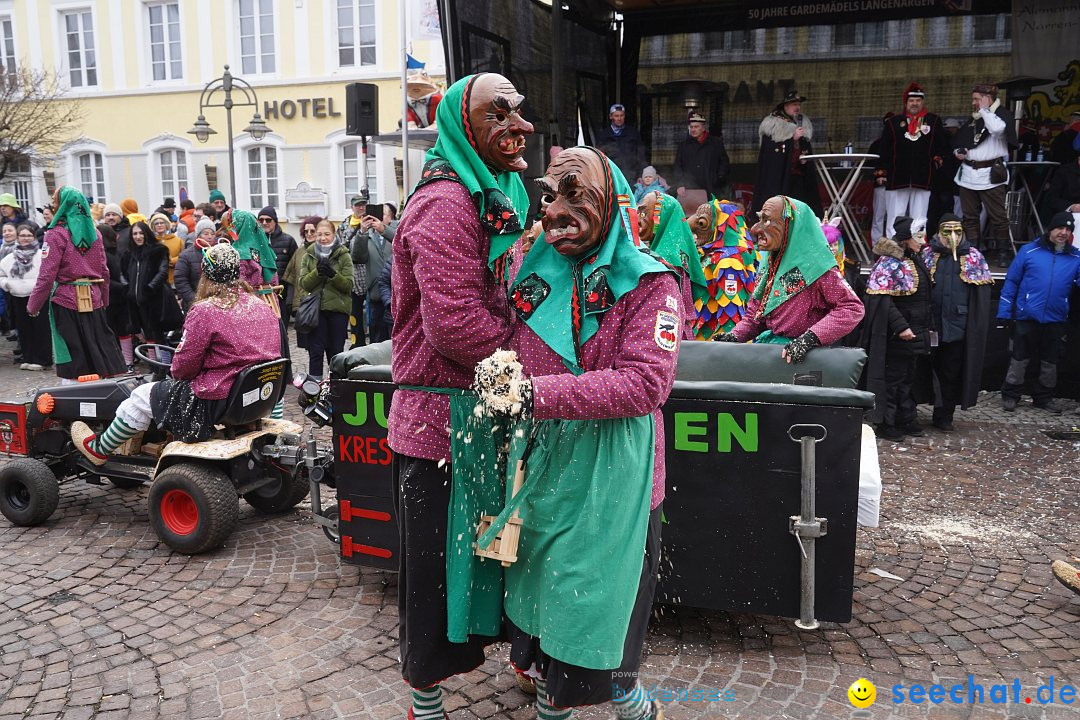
982, 146
370, 246
355, 233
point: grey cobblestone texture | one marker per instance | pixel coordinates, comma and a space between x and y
99, 620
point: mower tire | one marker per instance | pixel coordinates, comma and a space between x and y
193, 508
29, 492
287, 491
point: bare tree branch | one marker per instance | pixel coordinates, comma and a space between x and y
36, 118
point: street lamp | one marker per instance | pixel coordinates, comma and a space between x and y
256, 128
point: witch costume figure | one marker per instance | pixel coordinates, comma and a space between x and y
450, 312
802, 301
597, 335
729, 262
664, 230
226, 330
74, 281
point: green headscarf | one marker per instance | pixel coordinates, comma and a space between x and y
673, 241
74, 214
563, 299
501, 199
803, 258
250, 237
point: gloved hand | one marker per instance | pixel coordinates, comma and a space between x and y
503, 389
724, 337
325, 268
795, 351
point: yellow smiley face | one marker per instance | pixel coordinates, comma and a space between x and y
862, 693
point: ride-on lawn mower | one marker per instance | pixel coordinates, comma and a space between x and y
193, 501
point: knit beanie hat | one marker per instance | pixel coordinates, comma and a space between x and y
221, 263
204, 224
113, 208
217, 195
1061, 220
269, 212
129, 206
649, 170
160, 216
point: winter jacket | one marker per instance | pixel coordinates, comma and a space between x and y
292, 275
625, 149
336, 291
372, 250
1039, 283
702, 165
175, 246
19, 287
187, 220
382, 289
187, 274
284, 246
146, 268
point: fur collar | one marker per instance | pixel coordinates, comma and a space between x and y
778, 128
888, 247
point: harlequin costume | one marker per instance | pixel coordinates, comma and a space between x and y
800, 290
729, 263
673, 242
73, 263
598, 334
442, 288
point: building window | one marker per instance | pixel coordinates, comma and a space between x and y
23, 196
859, 34
992, 28
257, 36
92, 176
263, 176
78, 42
713, 42
173, 164
7, 49
356, 32
352, 155
165, 41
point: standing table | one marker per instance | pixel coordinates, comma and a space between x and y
1021, 172
839, 193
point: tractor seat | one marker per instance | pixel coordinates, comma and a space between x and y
255, 392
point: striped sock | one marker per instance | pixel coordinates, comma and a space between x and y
278, 413
544, 709
633, 705
114, 436
127, 349
427, 703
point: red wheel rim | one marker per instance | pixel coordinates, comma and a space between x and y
179, 512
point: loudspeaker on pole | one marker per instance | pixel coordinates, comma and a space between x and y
361, 109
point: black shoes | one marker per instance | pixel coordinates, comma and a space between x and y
889, 432
1049, 406
944, 424
913, 428
1008, 404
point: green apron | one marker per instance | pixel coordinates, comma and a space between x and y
585, 510
768, 337
474, 586
61, 354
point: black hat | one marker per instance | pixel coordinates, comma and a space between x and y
902, 228
1061, 220
947, 217
792, 96
169, 203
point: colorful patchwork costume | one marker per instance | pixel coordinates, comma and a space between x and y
730, 264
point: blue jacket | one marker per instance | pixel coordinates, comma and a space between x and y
1039, 283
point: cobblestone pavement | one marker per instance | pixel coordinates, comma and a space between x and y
99, 620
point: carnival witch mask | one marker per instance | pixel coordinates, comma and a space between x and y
496, 128
770, 230
648, 217
574, 197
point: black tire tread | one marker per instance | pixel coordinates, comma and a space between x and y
41, 481
219, 509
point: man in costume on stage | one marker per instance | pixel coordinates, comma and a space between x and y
450, 310
785, 138
597, 335
913, 146
802, 301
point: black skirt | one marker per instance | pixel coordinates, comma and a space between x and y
179, 410
571, 685
90, 342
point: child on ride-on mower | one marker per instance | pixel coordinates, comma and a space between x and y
227, 329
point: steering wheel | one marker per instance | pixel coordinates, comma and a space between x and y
158, 364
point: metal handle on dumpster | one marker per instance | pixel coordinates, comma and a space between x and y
807, 526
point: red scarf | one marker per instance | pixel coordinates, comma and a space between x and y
704, 136
914, 121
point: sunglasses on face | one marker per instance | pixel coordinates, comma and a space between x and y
265, 220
